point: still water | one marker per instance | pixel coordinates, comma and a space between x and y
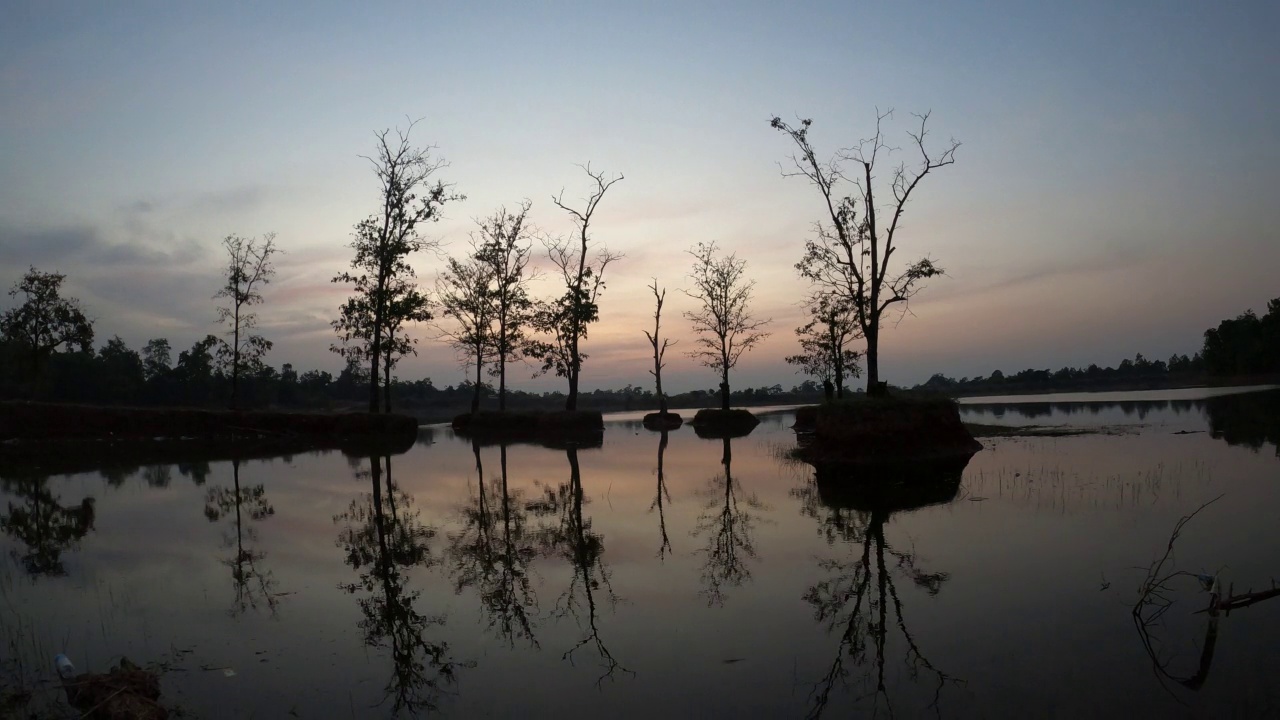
667, 576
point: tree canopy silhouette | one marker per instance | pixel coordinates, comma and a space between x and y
564, 320
44, 321
724, 324
505, 248
383, 242
824, 342
249, 267
849, 255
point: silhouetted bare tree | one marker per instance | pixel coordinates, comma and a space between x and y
383, 243
248, 269
565, 319
824, 341
849, 257
724, 324
504, 248
465, 291
659, 348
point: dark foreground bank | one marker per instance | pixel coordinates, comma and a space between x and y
69, 436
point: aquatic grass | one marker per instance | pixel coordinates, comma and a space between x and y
1051, 487
27, 688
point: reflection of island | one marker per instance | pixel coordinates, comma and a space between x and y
382, 539
492, 553
568, 534
43, 523
660, 498
860, 593
253, 585
728, 527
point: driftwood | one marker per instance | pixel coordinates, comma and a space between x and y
1236, 602
1154, 601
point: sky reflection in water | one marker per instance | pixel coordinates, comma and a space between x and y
674, 576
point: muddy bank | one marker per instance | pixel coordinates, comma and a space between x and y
878, 431
662, 422
566, 428
28, 421
714, 423
60, 439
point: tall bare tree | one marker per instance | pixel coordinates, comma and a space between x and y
659, 347
505, 248
849, 256
249, 267
565, 319
724, 324
383, 243
825, 339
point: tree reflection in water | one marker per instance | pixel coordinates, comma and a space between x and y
859, 593
42, 523
661, 497
382, 538
253, 586
567, 534
728, 527
492, 553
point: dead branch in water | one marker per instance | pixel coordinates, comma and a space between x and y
1154, 600
1154, 588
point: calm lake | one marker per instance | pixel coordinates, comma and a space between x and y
670, 576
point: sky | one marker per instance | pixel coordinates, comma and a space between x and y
1114, 192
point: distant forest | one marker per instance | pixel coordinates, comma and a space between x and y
1247, 347
115, 374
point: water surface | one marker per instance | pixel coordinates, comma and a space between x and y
666, 575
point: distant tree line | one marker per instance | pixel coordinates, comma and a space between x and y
115, 374
47, 352
1247, 346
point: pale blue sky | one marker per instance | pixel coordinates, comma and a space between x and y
1115, 192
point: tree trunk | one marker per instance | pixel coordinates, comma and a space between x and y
386, 383
235, 362
724, 389
475, 399
374, 357
571, 402
873, 356
839, 370
502, 374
